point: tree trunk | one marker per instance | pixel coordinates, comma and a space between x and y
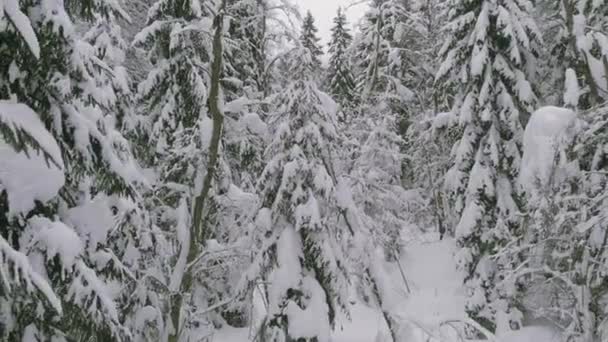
198, 232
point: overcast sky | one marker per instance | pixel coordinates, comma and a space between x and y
325, 10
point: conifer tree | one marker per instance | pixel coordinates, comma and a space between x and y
340, 80
190, 126
383, 72
60, 125
247, 57
380, 61
564, 245
178, 131
105, 35
302, 258
310, 40
592, 285
432, 16
554, 255
381, 83
245, 87
579, 43
490, 47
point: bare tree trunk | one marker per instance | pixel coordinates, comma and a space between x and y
198, 233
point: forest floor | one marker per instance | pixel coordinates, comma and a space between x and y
430, 299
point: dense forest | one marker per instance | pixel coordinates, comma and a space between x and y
206, 170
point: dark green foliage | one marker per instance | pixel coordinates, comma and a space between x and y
309, 39
340, 80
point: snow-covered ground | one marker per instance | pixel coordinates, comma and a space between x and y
433, 310
435, 305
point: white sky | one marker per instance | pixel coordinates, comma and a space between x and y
325, 10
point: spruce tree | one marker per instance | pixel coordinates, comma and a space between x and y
340, 80
247, 57
302, 256
178, 132
490, 47
310, 40
576, 39
383, 72
106, 36
587, 274
245, 87
199, 146
381, 69
565, 244
380, 59
60, 125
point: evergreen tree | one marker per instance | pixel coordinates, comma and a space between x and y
105, 35
430, 141
246, 86
302, 258
576, 39
429, 17
200, 148
381, 63
309, 39
376, 176
431, 133
549, 183
380, 59
489, 50
62, 132
340, 81
590, 249
175, 91
178, 132
247, 56
564, 245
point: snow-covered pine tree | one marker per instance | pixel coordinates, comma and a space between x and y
567, 243
374, 161
376, 171
244, 138
195, 199
380, 60
490, 47
551, 246
133, 241
575, 32
376, 176
564, 246
380, 203
25, 146
427, 23
382, 69
67, 113
310, 40
105, 35
302, 260
380, 65
431, 134
247, 55
245, 87
590, 271
430, 140
340, 79
175, 91
178, 132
